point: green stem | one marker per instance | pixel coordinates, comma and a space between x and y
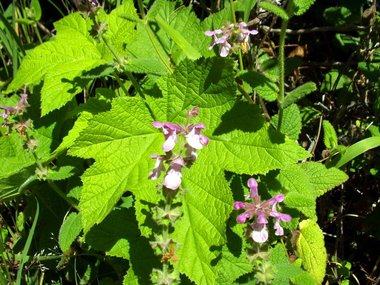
62, 195
121, 84
121, 63
155, 46
141, 8
281, 60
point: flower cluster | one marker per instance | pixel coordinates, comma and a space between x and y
230, 35
194, 141
260, 212
18, 110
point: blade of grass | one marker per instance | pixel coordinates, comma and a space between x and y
14, 47
356, 150
28, 242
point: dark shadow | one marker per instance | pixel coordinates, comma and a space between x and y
98, 71
122, 224
275, 136
214, 75
242, 116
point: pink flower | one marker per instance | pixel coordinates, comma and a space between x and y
214, 37
173, 178
170, 132
258, 213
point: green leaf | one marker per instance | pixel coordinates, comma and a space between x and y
59, 63
301, 6
330, 138
15, 184
291, 122
186, 47
311, 248
299, 194
308, 114
246, 7
119, 236
356, 150
323, 179
156, 49
265, 87
13, 155
334, 80
111, 138
231, 267
307, 181
69, 231
201, 226
36, 7
120, 32
274, 9
284, 271
62, 173
298, 93
338, 16
79, 125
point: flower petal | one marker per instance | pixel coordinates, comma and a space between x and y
259, 233
173, 179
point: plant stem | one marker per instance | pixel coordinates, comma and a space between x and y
121, 63
141, 8
62, 195
281, 61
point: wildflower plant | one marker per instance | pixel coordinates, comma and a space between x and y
153, 138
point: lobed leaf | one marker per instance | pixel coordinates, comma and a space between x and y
59, 62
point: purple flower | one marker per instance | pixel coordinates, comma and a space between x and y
244, 33
233, 34
170, 132
260, 212
214, 37
173, 177
158, 167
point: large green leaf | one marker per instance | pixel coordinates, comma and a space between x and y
122, 140
120, 29
206, 206
59, 63
311, 248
